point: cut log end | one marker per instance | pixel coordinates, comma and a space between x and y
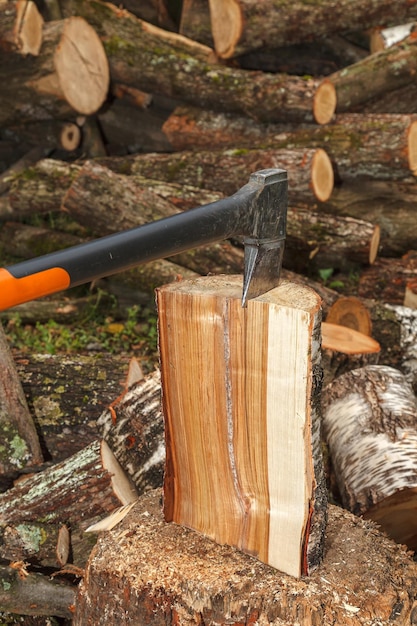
346, 340
412, 147
325, 100
352, 313
396, 515
322, 176
122, 485
28, 28
82, 67
70, 137
374, 244
226, 25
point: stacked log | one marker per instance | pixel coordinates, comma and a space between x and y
184, 121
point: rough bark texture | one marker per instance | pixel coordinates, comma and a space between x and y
134, 430
309, 171
174, 66
242, 25
20, 445
150, 572
70, 73
376, 146
375, 75
369, 422
389, 278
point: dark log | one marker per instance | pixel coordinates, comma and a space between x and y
369, 421
28, 593
70, 74
174, 66
20, 27
21, 240
388, 279
310, 172
150, 572
375, 146
242, 25
403, 100
389, 204
375, 75
20, 447
195, 21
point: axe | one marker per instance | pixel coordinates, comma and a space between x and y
257, 212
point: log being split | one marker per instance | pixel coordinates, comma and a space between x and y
240, 392
369, 421
70, 74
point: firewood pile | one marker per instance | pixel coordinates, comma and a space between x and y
116, 115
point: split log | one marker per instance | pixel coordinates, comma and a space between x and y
227, 442
375, 75
69, 74
389, 279
174, 66
20, 447
375, 146
149, 572
242, 25
310, 172
134, 431
74, 493
29, 593
369, 421
20, 27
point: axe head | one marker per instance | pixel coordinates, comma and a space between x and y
264, 246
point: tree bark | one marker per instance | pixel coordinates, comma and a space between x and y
309, 171
174, 66
242, 25
373, 145
35, 594
375, 75
150, 572
70, 74
226, 429
369, 420
195, 21
389, 204
134, 430
76, 491
389, 279
20, 447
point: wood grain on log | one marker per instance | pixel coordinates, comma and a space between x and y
149, 572
369, 421
20, 445
375, 75
372, 145
227, 458
242, 25
69, 74
175, 66
20, 27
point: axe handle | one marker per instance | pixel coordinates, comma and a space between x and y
106, 256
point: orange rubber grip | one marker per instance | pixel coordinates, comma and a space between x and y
15, 291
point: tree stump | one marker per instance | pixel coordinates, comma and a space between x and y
146, 571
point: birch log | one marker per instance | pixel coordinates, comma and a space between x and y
369, 421
240, 392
